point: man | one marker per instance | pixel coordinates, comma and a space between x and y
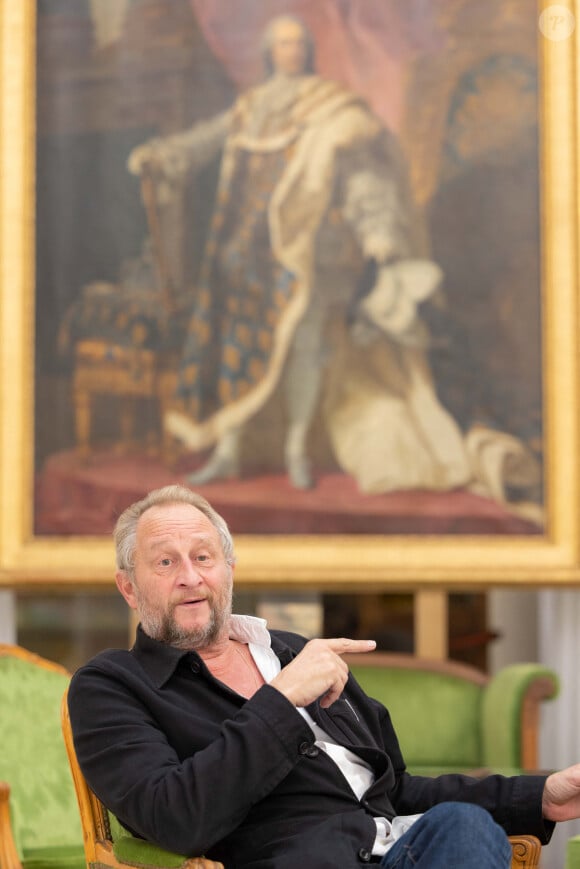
256, 748
310, 282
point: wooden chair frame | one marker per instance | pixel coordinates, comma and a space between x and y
9, 858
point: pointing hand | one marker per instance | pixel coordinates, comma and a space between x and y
318, 671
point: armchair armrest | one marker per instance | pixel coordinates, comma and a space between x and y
526, 851
573, 853
510, 715
129, 851
9, 858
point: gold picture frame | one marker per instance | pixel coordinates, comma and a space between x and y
312, 561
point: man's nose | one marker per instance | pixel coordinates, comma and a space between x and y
188, 573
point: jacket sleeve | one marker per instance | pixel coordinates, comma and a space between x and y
514, 802
184, 804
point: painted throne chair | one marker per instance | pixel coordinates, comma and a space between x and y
123, 339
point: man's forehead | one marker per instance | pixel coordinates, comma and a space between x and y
168, 541
168, 519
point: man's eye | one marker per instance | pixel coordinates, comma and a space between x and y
165, 562
204, 558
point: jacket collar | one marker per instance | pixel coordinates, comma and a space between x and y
160, 660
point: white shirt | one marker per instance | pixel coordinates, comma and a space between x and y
359, 775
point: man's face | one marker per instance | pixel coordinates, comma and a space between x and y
288, 48
182, 588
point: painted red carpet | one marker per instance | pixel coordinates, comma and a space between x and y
77, 498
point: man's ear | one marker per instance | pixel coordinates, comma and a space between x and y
125, 586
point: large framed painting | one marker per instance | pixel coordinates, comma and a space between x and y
317, 261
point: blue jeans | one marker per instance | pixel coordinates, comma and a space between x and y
451, 836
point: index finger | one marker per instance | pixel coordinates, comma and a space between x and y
344, 646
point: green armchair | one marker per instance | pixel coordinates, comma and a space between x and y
452, 717
573, 853
39, 823
40, 826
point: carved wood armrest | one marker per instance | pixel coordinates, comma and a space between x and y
9, 858
526, 852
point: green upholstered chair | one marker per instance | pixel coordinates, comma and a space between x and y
452, 717
107, 844
39, 822
573, 853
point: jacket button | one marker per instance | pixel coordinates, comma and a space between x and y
308, 749
195, 668
365, 855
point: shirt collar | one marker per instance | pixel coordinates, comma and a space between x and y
160, 660
250, 629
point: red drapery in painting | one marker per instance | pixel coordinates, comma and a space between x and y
366, 45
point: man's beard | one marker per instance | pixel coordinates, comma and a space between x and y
164, 628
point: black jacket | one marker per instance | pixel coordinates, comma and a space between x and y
184, 761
